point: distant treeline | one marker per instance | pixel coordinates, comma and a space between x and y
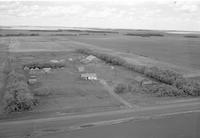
185, 87
91, 31
75, 30
46, 30
63, 34
145, 34
20, 34
192, 36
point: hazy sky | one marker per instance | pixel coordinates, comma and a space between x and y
138, 14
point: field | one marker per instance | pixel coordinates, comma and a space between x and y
62, 90
173, 49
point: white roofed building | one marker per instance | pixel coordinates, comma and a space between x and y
89, 76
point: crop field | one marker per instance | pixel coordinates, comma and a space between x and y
60, 88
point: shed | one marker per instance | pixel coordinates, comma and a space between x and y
143, 81
147, 82
32, 81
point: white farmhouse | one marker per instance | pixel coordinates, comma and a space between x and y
89, 76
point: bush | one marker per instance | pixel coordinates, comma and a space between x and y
163, 90
164, 76
190, 87
121, 88
18, 97
125, 88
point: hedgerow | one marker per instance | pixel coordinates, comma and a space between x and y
166, 76
17, 95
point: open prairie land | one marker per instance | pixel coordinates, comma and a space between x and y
174, 49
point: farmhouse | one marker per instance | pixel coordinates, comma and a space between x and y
89, 76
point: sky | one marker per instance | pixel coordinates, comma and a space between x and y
130, 14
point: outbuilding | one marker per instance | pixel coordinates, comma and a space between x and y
143, 81
89, 59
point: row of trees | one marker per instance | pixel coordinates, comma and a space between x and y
145, 34
20, 34
159, 90
166, 76
17, 96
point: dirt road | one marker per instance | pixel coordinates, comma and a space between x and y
71, 126
113, 94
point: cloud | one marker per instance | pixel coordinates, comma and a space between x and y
187, 6
115, 13
22, 9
